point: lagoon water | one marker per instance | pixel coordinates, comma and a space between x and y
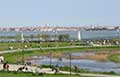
85, 34
91, 65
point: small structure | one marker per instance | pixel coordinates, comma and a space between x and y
79, 35
22, 37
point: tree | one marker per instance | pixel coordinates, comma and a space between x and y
45, 37
18, 37
63, 37
32, 37
67, 37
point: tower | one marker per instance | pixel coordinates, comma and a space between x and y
22, 37
79, 35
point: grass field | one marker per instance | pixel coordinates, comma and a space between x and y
115, 58
12, 74
17, 56
5, 46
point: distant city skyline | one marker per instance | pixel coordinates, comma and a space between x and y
59, 12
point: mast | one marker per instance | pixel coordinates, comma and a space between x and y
22, 37
79, 35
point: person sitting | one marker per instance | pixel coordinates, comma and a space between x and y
57, 70
6, 66
20, 69
23, 69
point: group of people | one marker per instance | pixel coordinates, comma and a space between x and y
23, 69
5, 63
56, 69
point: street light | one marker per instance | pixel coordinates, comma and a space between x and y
56, 34
23, 57
118, 31
50, 59
70, 62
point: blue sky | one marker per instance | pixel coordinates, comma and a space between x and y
59, 12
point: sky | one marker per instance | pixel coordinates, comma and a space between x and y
59, 12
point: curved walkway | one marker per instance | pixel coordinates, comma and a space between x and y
46, 48
14, 67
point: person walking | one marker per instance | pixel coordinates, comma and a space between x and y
76, 69
57, 70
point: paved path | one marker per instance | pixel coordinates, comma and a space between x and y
46, 48
14, 67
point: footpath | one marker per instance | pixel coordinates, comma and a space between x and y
14, 67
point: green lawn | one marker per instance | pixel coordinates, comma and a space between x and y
5, 46
12, 74
115, 58
17, 56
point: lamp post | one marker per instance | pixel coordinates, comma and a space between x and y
118, 31
50, 58
23, 57
56, 38
70, 62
